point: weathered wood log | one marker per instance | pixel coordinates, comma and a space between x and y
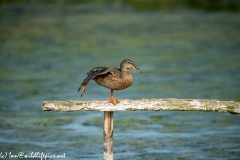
108, 136
169, 104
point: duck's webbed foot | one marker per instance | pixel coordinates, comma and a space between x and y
114, 101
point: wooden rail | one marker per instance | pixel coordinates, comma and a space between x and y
169, 104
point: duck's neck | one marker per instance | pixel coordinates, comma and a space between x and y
124, 72
123, 69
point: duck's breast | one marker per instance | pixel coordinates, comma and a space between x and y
115, 82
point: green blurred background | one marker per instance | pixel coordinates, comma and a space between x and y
186, 49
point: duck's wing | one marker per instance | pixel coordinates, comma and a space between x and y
97, 71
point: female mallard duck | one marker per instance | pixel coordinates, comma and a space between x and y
112, 78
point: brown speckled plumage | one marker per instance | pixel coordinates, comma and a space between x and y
112, 78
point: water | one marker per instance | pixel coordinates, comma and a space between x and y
46, 51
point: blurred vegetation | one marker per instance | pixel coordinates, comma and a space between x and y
211, 5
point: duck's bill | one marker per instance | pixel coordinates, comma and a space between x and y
138, 70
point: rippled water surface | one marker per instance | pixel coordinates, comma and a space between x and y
46, 51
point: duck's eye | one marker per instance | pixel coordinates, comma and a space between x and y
130, 62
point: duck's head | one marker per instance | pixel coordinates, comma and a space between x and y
128, 64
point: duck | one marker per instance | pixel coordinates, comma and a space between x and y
111, 78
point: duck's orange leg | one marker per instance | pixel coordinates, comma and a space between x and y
83, 90
113, 100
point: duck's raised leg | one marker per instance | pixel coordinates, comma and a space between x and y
113, 100
83, 90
